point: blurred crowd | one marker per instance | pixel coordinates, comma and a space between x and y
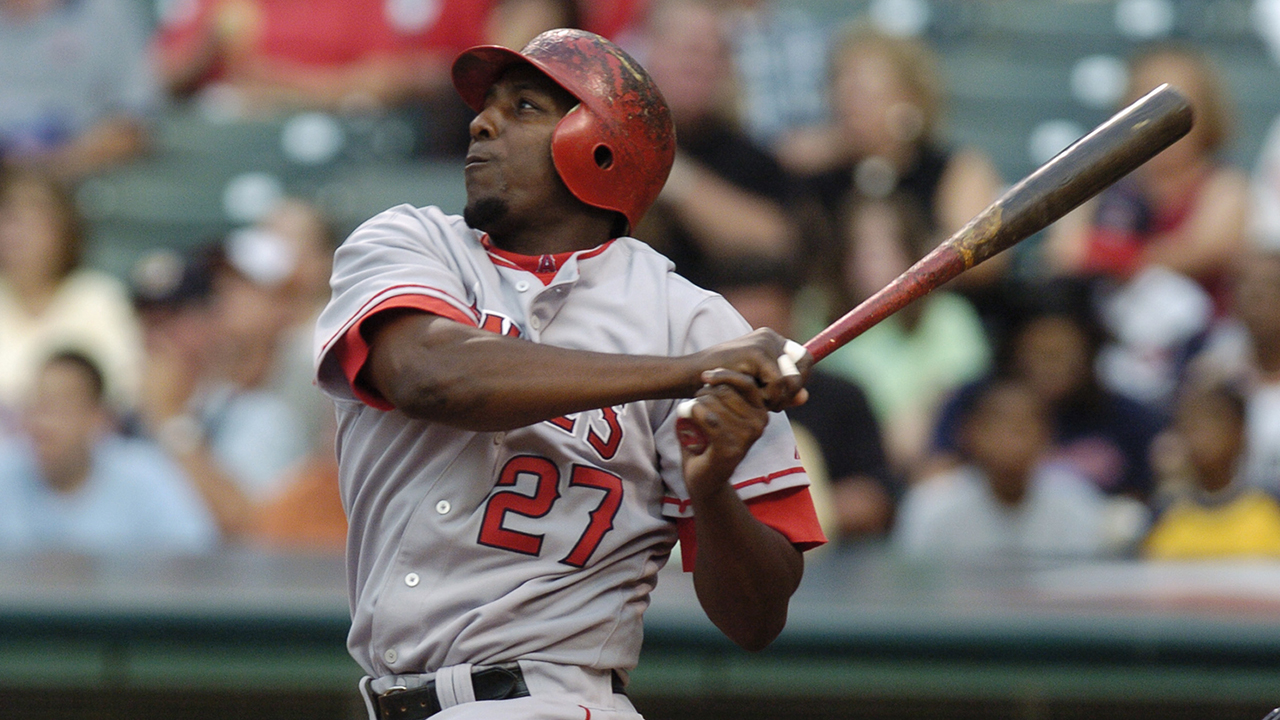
1116, 393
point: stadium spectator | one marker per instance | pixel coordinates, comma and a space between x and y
260, 57
1264, 220
77, 91
305, 233
260, 434
1217, 514
618, 20
326, 54
513, 23
839, 438
910, 363
724, 197
1185, 210
1005, 501
781, 57
1245, 351
1165, 236
203, 397
70, 482
50, 300
306, 511
884, 138
1053, 346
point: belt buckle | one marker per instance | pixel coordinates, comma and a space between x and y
389, 709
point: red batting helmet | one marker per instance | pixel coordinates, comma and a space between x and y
615, 149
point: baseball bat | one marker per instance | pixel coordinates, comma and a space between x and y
1086, 167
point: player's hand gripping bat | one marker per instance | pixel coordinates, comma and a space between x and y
1116, 147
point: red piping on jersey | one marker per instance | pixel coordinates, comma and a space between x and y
375, 299
352, 351
538, 264
789, 511
682, 504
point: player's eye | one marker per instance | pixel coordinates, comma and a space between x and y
526, 104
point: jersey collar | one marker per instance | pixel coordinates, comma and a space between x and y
544, 267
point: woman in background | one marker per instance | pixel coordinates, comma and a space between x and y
1161, 242
49, 300
885, 139
1185, 209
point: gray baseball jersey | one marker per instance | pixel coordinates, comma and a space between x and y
541, 543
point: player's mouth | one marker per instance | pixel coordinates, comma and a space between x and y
473, 160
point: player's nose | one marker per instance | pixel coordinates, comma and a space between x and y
483, 125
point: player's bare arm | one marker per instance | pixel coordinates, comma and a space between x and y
746, 571
439, 370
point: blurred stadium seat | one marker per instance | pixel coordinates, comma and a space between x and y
205, 177
1007, 69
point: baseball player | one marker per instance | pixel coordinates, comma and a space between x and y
506, 385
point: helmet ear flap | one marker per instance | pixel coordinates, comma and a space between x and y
603, 169
583, 159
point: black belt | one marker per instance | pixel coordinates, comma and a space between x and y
492, 683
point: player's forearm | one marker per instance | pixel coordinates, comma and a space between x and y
745, 571
438, 370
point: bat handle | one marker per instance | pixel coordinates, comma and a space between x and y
688, 432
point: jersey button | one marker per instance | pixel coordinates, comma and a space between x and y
443, 507
390, 656
411, 579
536, 322
522, 286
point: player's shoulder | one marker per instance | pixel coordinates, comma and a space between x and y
407, 222
692, 310
641, 257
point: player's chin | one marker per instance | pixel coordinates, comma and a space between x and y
482, 213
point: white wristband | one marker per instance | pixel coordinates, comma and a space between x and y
792, 352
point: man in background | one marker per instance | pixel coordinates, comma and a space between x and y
71, 482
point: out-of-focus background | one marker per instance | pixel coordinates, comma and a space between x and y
1053, 487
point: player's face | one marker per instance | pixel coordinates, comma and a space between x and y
510, 177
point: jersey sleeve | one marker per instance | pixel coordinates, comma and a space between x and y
402, 258
790, 512
771, 469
